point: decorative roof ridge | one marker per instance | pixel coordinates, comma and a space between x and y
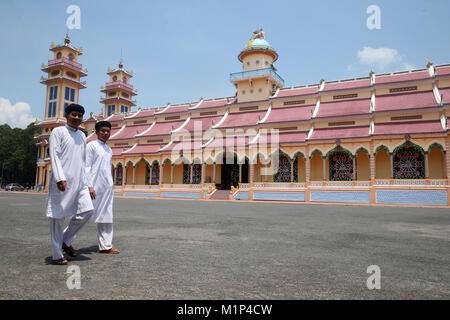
121, 129
146, 130
135, 145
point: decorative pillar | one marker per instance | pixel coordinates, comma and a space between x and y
124, 176
161, 174
372, 163
292, 170
203, 173
37, 178
240, 172
324, 173
354, 168
191, 172
307, 175
392, 165
426, 166
251, 180
115, 175
171, 174
150, 177
214, 173
134, 175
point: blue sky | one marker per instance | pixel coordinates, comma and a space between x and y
180, 51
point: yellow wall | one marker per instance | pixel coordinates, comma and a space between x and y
256, 95
362, 167
251, 58
361, 95
129, 179
140, 173
178, 174
166, 173
436, 164
301, 169
383, 165
316, 167
420, 87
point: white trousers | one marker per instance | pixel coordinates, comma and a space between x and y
105, 235
68, 235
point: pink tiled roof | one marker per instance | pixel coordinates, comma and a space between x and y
206, 104
162, 128
176, 109
340, 133
143, 149
443, 71
203, 124
184, 145
344, 108
242, 119
408, 127
402, 101
228, 142
129, 132
117, 151
283, 137
351, 84
446, 94
49, 122
115, 117
293, 92
289, 114
141, 114
409, 76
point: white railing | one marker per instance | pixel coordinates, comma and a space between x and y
412, 182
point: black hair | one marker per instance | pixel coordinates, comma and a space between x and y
101, 124
73, 107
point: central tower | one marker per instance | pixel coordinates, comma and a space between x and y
258, 80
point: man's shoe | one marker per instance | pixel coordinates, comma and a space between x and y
69, 250
110, 251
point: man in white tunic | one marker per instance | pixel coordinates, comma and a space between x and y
101, 186
67, 178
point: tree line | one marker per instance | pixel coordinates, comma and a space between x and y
18, 154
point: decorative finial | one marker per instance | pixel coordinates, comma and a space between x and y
67, 39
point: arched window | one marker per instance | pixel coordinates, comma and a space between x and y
284, 169
58, 55
409, 162
71, 57
341, 165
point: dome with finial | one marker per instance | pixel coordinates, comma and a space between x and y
258, 43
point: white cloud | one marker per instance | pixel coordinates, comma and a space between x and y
378, 60
381, 57
17, 116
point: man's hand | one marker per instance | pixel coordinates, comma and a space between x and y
92, 193
62, 185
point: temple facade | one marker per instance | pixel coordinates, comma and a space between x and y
380, 139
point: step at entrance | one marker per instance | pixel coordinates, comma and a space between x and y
221, 195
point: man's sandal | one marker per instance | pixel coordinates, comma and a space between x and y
69, 250
60, 262
110, 251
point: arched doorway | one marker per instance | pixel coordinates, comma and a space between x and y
229, 172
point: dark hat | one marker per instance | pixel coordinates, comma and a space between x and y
101, 124
73, 107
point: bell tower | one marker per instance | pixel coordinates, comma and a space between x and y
64, 79
118, 91
258, 79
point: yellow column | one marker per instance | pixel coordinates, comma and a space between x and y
372, 162
307, 175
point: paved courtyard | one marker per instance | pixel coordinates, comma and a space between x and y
184, 249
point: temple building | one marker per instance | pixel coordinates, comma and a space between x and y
380, 139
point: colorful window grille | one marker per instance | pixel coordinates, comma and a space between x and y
197, 174
341, 165
186, 173
155, 174
409, 162
119, 174
284, 169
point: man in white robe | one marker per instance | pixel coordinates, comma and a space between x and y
101, 186
67, 179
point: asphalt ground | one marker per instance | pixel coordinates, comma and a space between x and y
184, 249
